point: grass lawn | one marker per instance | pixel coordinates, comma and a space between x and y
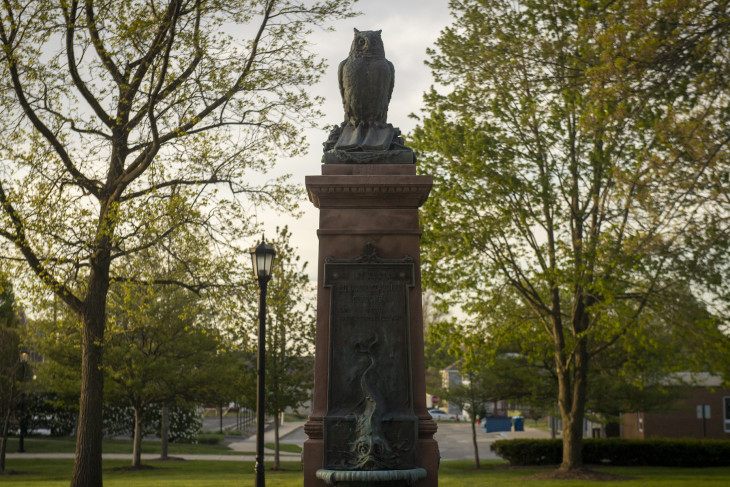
44, 444
287, 447
68, 445
56, 473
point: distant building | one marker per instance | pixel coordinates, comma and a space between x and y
703, 412
451, 377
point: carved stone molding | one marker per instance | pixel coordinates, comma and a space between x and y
427, 428
370, 231
368, 191
314, 429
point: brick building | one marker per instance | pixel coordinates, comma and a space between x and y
703, 412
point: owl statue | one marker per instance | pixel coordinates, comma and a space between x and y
366, 80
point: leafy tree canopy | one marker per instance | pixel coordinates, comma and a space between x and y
580, 156
126, 123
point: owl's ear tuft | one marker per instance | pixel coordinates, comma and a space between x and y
379, 31
356, 31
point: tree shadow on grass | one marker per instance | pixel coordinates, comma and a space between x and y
579, 474
169, 459
131, 468
15, 472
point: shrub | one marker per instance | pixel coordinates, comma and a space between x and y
617, 451
529, 452
185, 422
46, 411
658, 452
209, 438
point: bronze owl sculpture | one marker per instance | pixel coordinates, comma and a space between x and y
366, 85
366, 80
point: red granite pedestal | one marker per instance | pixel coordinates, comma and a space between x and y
360, 204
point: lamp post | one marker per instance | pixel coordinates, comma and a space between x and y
23, 426
262, 259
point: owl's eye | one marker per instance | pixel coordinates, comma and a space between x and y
360, 41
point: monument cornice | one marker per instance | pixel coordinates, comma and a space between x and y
345, 191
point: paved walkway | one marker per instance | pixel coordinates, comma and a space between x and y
249, 444
455, 442
246, 447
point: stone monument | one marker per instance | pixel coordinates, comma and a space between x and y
369, 424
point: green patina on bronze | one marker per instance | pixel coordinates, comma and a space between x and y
366, 478
370, 424
366, 82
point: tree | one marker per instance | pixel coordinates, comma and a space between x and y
579, 161
163, 348
9, 362
474, 390
290, 330
490, 373
121, 122
436, 349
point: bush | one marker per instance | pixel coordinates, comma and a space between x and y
209, 438
658, 452
529, 452
119, 421
46, 411
617, 451
185, 422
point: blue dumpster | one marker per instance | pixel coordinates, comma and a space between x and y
519, 423
494, 425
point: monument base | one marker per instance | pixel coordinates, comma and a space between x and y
372, 478
402, 156
363, 204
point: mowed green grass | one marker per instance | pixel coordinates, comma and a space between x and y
285, 447
56, 473
68, 445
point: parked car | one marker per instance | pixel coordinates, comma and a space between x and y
439, 415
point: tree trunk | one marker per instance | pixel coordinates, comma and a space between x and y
552, 427
276, 441
137, 449
572, 399
87, 465
220, 418
572, 444
165, 433
474, 437
4, 439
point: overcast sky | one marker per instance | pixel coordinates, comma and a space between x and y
409, 27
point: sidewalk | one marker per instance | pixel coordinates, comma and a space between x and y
249, 444
455, 443
246, 448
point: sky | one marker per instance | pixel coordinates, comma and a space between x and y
409, 28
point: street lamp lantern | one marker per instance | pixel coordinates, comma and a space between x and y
262, 260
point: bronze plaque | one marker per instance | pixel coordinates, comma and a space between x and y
370, 423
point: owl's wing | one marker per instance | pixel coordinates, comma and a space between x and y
339, 79
392, 79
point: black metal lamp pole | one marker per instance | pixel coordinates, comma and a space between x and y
261, 383
23, 425
262, 258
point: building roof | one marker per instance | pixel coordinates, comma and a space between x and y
698, 379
